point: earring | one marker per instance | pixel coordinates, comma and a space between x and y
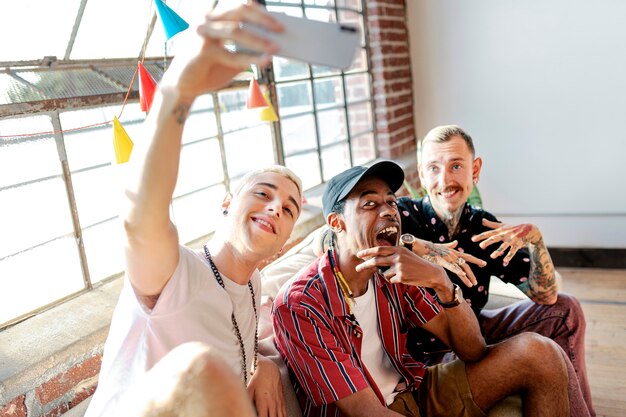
225, 212
475, 181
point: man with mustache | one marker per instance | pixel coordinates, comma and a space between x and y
341, 323
448, 170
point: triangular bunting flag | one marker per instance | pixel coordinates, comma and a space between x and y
268, 114
172, 23
255, 96
121, 142
147, 85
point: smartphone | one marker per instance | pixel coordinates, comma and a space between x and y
320, 43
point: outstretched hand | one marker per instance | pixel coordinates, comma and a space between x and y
513, 238
444, 254
266, 389
205, 64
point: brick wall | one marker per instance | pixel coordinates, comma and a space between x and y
58, 394
391, 77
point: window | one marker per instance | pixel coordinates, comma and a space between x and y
326, 115
60, 192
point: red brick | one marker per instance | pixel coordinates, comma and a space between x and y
63, 383
83, 394
57, 411
15, 408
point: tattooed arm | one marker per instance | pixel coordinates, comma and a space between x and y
204, 65
542, 285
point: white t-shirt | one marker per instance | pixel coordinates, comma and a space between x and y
373, 353
192, 307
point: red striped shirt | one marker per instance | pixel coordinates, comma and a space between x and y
321, 341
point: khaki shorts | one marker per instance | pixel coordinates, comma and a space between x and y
443, 392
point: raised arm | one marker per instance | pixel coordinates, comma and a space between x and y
542, 285
204, 65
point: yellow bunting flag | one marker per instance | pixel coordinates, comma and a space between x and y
267, 113
121, 142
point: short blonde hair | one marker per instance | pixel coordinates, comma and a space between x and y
277, 169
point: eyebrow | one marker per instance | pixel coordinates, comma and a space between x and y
368, 192
274, 187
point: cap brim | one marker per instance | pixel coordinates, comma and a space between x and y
388, 171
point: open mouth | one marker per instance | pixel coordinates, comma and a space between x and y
387, 237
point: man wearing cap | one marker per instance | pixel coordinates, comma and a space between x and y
448, 170
341, 324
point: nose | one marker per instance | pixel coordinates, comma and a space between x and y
388, 211
274, 207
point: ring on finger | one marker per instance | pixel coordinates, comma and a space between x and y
460, 261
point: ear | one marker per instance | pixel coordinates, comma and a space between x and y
420, 173
476, 166
335, 222
228, 198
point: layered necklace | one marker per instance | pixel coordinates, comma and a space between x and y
348, 296
242, 348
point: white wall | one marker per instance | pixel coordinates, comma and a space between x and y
541, 87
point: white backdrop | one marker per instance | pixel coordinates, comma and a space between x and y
541, 87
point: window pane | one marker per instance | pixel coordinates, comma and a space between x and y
200, 166
294, 98
332, 125
249, 149
19, 18
104, 248
352, 4
25, 159
52, 269
286, 69
328, 92
93, 146
33, 214
197, 214
335, 160
357, 87
298, 134
360, 117
111, 29
306, 166
363, 148
201, 122
323, 3
235, 115
98, 193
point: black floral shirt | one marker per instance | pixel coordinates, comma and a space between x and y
419, 219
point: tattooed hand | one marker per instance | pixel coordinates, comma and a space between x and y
513, 238
454, 261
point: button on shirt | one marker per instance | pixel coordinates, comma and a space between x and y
320, 340
420, 220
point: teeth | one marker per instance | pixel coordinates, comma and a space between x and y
390, 230
265, 223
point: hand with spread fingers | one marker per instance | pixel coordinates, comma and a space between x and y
454, 261
407, 264
512, 238
205, 62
